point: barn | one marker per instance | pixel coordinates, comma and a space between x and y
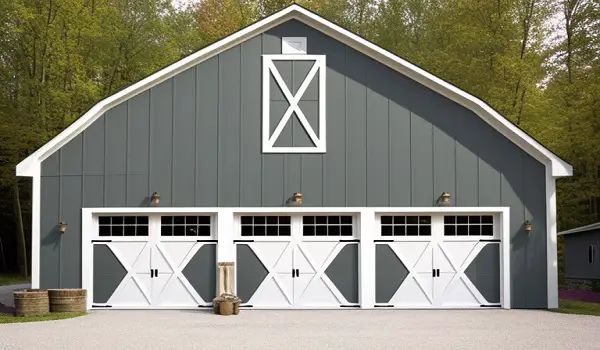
332, 172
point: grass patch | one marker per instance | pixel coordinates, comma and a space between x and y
578, 307
50, 317
12, 278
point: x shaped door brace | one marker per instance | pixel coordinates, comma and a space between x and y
269, 69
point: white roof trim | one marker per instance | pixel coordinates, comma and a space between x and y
512, 132
586, 228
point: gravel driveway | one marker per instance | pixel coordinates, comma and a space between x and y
343, 329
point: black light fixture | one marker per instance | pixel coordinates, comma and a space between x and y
527, 226
62, 227
445, 198
155, 198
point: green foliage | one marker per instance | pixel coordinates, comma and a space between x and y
7, 279
50, 317
578, 307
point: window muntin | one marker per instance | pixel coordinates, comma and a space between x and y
271, 226
116, 226
405, 225
468, 225
185, 226
327, 225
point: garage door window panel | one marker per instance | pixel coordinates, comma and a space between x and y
327, 226
469, 225
265, 226
120, 226
400, 225
185, 226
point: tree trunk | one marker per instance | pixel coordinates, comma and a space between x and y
21, 245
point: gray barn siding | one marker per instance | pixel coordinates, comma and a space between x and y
577, 264
196, 139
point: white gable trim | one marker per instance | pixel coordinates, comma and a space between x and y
527, 143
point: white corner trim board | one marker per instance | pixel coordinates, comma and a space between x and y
558, 166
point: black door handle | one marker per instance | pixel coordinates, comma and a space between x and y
293, 273
433, 272
151, 273
155, 272
438, 272
297, 273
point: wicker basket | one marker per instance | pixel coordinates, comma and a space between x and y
231, 307
67, 300
226, 308
31, 302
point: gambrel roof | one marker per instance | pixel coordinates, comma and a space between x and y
31, 165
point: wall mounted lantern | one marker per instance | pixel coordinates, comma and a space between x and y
527, 226
62, 227
445, 198
298, 198
155, 198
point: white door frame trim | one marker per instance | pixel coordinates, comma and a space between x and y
366, 217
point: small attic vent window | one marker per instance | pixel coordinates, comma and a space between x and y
293, 45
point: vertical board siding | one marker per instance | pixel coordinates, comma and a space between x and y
196, 139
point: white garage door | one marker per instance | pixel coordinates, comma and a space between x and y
153, 262
297, 261
437, 261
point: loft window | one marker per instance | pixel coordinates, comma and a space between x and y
469, 225
123, 226
266, 226
592, 254
327, 226
406, 225
293, 45
185, 226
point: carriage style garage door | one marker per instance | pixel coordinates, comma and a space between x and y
153, 262
297, 261
437, 261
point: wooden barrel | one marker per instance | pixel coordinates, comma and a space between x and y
67, 300
31, 302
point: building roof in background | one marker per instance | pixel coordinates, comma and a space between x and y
586, 228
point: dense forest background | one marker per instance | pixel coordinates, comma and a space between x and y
535, 61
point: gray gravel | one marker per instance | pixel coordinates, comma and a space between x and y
343, 329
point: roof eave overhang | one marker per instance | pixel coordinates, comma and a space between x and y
559, 168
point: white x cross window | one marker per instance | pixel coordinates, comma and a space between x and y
293, 100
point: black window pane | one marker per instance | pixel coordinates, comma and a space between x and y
474, 230
462, 230
117, 220
399, 230
284, 231
346, 220
487, 219
142, 231
412, 230
191, 220
166, 231
271, 220
322, 220
474, 219
178, 230
400, 220
424, 230
386, 230
321, 230
130, 220
117, 230
142, 220
246, 220
203, 230
104, 220
246, 230
166, 220
412, 219
204, 220
272, 230
308, 220
191, 231
259, 220
334, 230
333, 220
129, 230
462, 219
104, 231
449, 230
308, 230
487, 230
424, 220
179, 220
449, 219
346, 230
284, 220
260, 230
386, 220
